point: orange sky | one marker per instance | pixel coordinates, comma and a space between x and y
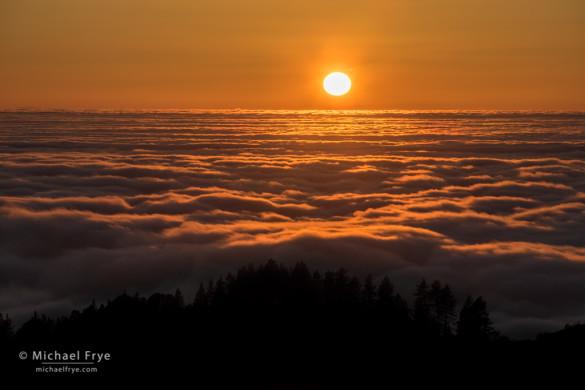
400, 54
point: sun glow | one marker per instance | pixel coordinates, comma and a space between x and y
337, 84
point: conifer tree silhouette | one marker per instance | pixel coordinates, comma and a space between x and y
474, 322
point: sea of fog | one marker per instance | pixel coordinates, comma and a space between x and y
94, 203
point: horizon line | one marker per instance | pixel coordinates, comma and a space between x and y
238, 109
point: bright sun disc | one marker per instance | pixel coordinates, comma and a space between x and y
337, 84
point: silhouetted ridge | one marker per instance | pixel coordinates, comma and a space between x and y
290, 324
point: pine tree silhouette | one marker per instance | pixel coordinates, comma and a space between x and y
6, 329
267, 318
474, 322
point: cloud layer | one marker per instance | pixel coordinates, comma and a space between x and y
94, 203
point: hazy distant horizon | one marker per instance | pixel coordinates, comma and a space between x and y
266, 109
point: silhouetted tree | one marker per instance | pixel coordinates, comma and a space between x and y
391, 308
474, 321
441, 303
329, 288
300, 274
200, 297
284, 315
179, 300
210, 291
6, 329
354, 288
422, 313
91, 310
219, 293
301, 293
386, 292
37, 330
401, 309
165, 302
369, 291
434, 308
317, 279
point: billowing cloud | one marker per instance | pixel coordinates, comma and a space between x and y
93, 207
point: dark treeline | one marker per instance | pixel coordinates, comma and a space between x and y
281, 324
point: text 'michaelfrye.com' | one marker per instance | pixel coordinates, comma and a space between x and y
71, 362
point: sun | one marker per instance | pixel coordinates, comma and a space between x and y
337, 84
